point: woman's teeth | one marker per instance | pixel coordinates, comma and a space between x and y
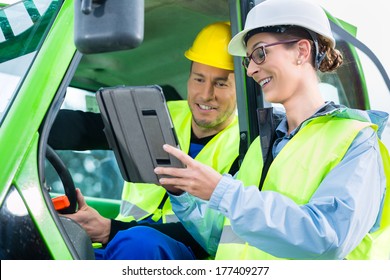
265, 81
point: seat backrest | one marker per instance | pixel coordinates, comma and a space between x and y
79, 238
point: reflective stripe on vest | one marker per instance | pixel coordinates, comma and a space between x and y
140, 200
306, 158
140, 194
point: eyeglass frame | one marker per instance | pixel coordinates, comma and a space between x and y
250, 57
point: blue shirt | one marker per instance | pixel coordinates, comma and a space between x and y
344, 208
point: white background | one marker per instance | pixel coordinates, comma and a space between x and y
372, 20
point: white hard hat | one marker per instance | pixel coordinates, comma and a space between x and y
283, 12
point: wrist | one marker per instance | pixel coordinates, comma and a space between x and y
106, 231
173, 191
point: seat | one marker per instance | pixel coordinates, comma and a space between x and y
79, 238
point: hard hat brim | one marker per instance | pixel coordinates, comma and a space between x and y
237, 45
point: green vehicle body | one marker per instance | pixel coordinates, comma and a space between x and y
56, 66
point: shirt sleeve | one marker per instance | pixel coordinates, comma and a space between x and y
117, 226
204, 224
78, 130
340, 213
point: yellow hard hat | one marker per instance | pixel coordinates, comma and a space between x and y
210, 46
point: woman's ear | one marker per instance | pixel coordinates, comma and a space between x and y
304, 51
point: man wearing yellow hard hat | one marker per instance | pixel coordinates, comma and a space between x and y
207, 129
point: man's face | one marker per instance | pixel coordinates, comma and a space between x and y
212, 98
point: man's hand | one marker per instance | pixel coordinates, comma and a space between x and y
96, 226
198, 179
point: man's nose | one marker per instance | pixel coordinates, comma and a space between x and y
208, 90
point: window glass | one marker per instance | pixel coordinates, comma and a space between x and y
95, 172
23, 27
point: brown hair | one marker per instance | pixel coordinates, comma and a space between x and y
333, 57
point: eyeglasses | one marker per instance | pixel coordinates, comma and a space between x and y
258, 55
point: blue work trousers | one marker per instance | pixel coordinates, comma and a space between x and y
144, 243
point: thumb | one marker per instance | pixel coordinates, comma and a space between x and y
80, 199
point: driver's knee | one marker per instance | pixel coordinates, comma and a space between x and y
145, 243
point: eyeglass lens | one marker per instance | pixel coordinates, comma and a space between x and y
258, 56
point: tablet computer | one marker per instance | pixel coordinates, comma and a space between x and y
137, 124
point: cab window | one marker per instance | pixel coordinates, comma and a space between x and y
23, 28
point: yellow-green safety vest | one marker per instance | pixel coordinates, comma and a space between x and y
307, 159
141, 200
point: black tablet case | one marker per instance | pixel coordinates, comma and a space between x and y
137, 124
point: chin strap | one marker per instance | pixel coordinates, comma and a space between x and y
319, 56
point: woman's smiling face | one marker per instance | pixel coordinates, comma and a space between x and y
278, 74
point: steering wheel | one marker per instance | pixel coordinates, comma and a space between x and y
66, 179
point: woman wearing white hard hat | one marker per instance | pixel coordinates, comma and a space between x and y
323, 194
